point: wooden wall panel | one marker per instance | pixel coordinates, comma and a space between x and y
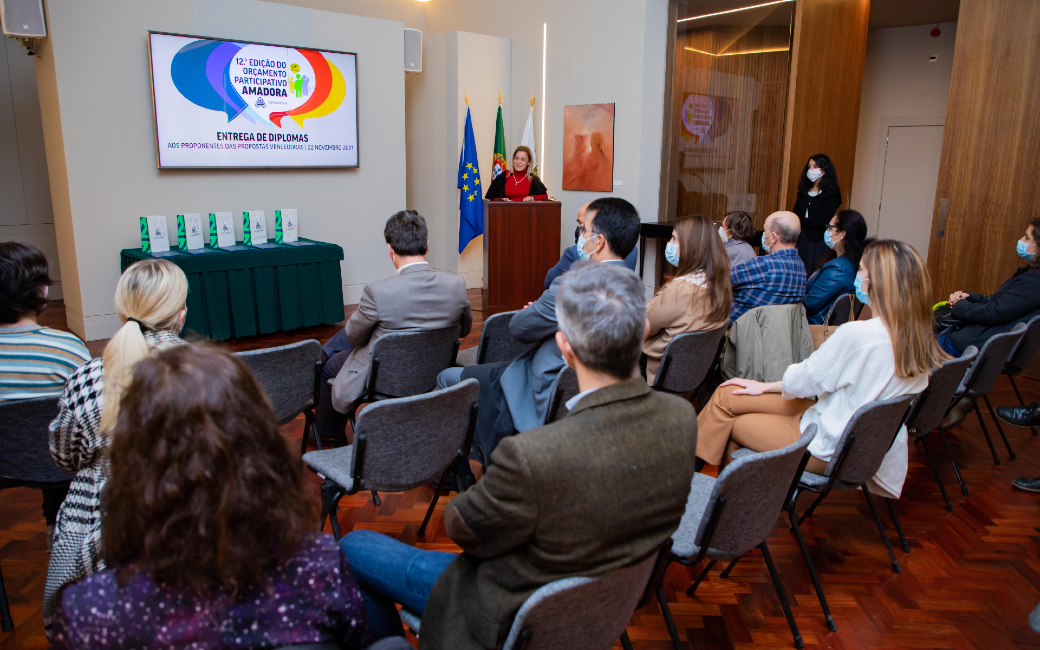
990, 167
829, 48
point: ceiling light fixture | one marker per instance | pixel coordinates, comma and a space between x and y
730, 11
779, 49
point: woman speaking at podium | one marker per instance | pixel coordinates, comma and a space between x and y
519, 184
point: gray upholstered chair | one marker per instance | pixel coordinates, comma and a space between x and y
290, 375
932, 405
565, 386
496, 343
686, 361
399, 444
1022, 357
841, 310
983, 374
727, 517
26, 459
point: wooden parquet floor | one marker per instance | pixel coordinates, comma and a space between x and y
970, 581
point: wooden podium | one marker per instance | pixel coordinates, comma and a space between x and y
521, 244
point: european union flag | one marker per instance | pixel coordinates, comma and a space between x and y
471, 204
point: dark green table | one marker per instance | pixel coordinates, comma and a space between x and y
259, 290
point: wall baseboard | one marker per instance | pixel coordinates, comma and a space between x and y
474, 279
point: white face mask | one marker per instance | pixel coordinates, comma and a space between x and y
722, 233
814, 174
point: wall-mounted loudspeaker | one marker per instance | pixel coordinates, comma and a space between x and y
412, 50
23, 18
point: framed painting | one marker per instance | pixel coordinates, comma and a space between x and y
588, 147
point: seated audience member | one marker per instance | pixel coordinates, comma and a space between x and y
845, 235
35, 361
206, 542
514, 395
858, 364
570, 254
1016, 301
533, 518
737, 230
698, 298
150, 300
414, 299
774, 279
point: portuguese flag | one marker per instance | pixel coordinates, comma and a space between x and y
499, 164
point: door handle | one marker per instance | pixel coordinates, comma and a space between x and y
941, 229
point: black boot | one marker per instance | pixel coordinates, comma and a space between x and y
1020, 416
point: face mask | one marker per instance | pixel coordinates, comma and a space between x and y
671, 253
581, 246
765, 246
722, 233
1022, 247
46, 291
814, 175
827, 239
860, 293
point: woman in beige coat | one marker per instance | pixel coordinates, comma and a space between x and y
698, 298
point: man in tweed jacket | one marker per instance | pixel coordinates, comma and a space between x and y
599, 490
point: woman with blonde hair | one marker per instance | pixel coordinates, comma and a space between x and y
698, 298
150, 300
887, 356
521, 184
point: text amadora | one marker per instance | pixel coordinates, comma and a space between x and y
262, 137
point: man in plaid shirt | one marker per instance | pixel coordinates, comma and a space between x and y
775, 279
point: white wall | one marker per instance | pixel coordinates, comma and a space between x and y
25, 196
900, 88
101, 151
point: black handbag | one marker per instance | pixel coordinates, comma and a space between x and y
943, 320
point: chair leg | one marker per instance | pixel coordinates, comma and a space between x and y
1000, 429
704, 574
880, 527
956, 470
1019, 395
725, 572
626, 643
935, 470
668, 621
831, 625
798, 643
331, 493
812, 508
985, 432
899, 526
433, 503
310, 426
5, 611
375, 498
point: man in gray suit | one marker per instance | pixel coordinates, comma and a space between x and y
415, 299
599, 490
514, 396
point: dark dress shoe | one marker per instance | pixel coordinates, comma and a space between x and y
1020, 416
1027, 484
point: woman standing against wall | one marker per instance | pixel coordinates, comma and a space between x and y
818, 199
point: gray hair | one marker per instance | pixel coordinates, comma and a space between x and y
787, 230
601, 310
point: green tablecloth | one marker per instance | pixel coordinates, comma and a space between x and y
259, 290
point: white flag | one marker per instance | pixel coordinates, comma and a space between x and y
528, 140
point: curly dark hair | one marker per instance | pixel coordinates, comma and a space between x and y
829, 180
23, 272
205, 493
854, 226
1033, 264
740, 225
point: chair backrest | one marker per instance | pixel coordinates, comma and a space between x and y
867, 438
841, 310
588, 613
931, 406
402, 443
686, 361
1027, 347
407, 363
286, 373
992, 358
496, 343
25, 441
755, 488
565, 386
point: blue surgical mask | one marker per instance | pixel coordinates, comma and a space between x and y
581, 246
1022, 247
671, 253
765, 246
827, 238
860, 293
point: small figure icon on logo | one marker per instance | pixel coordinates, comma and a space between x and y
260, 102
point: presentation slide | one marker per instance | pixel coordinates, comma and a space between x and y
238, 104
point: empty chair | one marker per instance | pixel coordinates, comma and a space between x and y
727, 517
290, 375
564, 387
26, 459
983, 374
686, 361
931, 406
399, 444
1022, 357
496, 343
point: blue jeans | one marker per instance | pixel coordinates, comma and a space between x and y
948, 347
388, 572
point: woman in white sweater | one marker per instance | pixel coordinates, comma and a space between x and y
857, 365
